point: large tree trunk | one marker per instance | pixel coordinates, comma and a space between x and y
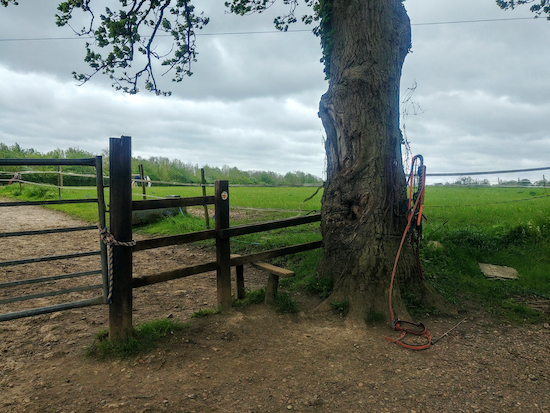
364, 209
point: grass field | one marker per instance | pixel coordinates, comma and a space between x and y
485, 206
288, 198
502, 226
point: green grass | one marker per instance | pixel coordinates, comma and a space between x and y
484, 207
501, 226
252, 297
145, 337
172, 225
305, 264
374, 317
206, 312
341, 307
285, 304
285, 198
454, 270
250, 197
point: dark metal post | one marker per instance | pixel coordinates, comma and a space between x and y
223, 250
203, 184
120, 172
102, 223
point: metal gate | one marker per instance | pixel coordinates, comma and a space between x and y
10, 289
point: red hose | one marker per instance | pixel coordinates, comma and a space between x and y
415, 210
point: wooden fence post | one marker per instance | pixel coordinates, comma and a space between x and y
120, 189
239, 275
203, 184
142, 178
59, 179
19, 179
223, 250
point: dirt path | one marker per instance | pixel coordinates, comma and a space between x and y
250, 360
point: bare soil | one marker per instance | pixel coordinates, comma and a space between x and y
251, 359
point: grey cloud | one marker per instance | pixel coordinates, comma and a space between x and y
253, 99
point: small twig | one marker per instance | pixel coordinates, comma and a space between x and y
448, 331
441, 226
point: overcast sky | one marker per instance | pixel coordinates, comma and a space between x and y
483, 87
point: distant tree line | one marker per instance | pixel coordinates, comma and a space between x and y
469, 181
16, 151
157, 168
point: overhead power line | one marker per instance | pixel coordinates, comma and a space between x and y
488, 172
34, 39
473, 21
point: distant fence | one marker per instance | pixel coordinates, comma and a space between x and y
487, 172
58, 180
465, 178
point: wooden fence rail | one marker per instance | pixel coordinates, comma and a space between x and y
268, 225
171, 203
174, 240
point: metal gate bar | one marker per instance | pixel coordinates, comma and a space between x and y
50, 162
46, 231
59, 202
50, 293
48, 279
48, 258
52, 309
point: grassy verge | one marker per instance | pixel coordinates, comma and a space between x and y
145, 338
284, 303
252, 297
206, 312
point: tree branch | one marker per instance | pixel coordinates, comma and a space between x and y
120, 30
540, 8
141, 22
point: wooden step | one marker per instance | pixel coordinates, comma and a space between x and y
272, 269
272, 280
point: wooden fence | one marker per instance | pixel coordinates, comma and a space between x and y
121, 207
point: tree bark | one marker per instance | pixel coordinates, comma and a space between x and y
364, 210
